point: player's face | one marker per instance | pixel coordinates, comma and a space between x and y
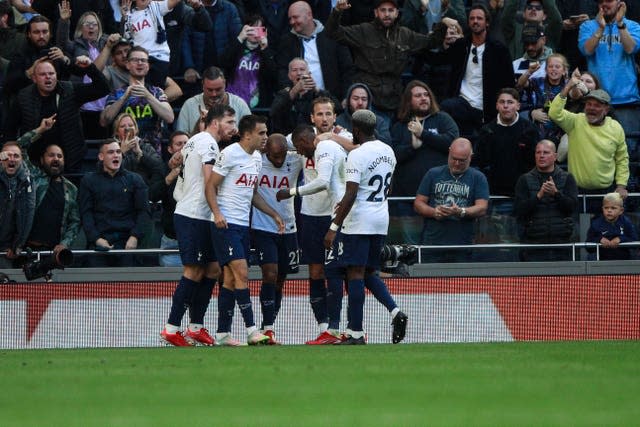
545, 157
213, 91
459, 158
119, 56
595, 111
11, 158
323, 117
227, 127
386, 13
534, 12
555, 70
611, 210
477, 21
39, 34
258, 136
420, 101
507, 107
138, 64
45, 77
304, 145
111, 157
53, 161
177, 143
358, 100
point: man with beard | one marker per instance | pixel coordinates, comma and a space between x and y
214, 92
114, 206
381, 49
598, 156
536, 12
56, 221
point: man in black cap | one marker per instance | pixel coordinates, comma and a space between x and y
536, 52
544, 12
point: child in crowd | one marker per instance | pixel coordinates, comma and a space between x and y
612, 228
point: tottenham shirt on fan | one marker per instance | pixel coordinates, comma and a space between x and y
142, 27
199, 150
371, 166
240, 170
271, 180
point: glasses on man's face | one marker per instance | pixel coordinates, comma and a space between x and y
139, 60
537, 7
90, 24
474, 51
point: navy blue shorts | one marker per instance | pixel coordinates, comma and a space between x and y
274, 248
194, 240
361, 250
333, 267
314, 229
230, 243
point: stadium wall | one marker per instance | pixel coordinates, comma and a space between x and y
440, 309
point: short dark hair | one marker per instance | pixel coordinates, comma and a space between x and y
213, 73
121, 42
248, 123
253, 18
107, 141
137, 49
218, 111
5, 9
509, 91
37, 19
301, 131
177, 133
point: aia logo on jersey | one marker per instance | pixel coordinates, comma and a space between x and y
246, 180
309, 164
274, 182
139, 26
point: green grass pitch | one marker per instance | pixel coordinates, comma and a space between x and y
536, 384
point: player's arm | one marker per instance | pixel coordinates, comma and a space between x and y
343, 141
324, 167
212, 183
259, 202
343, 209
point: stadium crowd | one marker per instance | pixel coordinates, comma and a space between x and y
541, 96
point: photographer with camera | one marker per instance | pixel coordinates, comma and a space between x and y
56, 219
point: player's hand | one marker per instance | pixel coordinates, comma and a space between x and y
329, 238
104, 243
283, 195
132, 243
220, 220
280, 223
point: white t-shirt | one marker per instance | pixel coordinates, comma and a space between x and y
200, 149
371, 166
240, 170
471, 87
142, 27
273, 179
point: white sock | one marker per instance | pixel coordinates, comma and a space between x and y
195, 327
172, 329
323, 326
268, 328
334, 332
394, 312
251, 329
221, 335
357, 334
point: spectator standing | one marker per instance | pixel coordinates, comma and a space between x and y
612, 228
598, 157
420, 141
546, 198
537, 12
48, 96
214, 92
18, 202
189, 14
11, 40
330, 64
451, 197
114, 206
56, 220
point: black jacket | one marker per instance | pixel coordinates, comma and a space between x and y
25, 205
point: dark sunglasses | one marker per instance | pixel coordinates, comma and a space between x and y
474, 51
534, 6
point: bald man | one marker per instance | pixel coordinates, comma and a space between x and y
451, 197
277, 253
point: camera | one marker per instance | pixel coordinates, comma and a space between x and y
391, 256
34, 268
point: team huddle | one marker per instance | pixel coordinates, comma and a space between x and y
230, 198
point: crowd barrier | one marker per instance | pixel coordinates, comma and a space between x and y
440, 310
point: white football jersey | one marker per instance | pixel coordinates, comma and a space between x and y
271, 180
240, 170
371, 166
200, 149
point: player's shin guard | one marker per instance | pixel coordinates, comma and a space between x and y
201, 300
356, 304
334, 301
243, 298
226, 304
379, 290
181, 299
268, 303
318, 299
